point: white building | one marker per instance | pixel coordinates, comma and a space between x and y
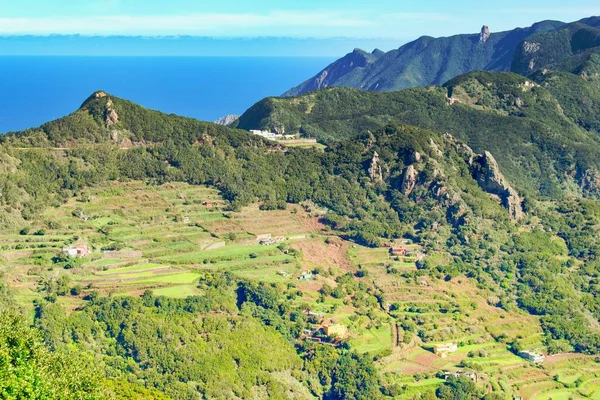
532, 356
267, 134
443, 350
78, 250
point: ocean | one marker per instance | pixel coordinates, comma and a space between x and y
34, 90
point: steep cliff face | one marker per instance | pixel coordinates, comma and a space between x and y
110, 115
375, 171
487, 173
409, 180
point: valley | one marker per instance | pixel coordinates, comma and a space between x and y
164, 238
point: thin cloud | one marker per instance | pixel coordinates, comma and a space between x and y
412, 16
551, 11
210, 23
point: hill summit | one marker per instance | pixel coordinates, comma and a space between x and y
104, 118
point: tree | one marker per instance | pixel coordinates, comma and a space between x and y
354, 378
461, 388
28, 370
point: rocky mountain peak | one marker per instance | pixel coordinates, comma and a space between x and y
101, 105
485, 34
226, 120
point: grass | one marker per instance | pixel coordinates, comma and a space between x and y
182, 278
373, 340
142, 267
106, 262
181, 291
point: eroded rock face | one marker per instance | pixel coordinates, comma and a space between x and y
435, 149
485, 34
320, 80
487, 173
409, 180
416, 157
375, 172
110, 115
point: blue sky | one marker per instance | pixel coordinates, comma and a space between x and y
386, 23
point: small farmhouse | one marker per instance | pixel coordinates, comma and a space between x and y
266, 134
208, 204
264, 237
532, 356
398, 251
458, 374
443, 350
306, 276
313, 317
77, 250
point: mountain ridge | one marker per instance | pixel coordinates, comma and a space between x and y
425, 61
550, 49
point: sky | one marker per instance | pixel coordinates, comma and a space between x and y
328, 23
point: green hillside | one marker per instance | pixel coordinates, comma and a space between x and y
541, 150
103, 118
551, 49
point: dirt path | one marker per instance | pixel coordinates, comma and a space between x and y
395, 337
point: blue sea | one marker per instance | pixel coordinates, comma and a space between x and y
34, 90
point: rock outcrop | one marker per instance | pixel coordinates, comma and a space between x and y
110, 115
416, 157
375, 172
486, 172
485, 34
409, 180
226, 120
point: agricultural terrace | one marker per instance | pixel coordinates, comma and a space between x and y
164, 238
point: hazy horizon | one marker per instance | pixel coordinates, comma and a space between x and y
268, 28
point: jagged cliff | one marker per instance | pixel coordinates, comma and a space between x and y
483, 168
487, 173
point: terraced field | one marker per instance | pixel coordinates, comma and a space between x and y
456, 311
145, 237
164, 238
